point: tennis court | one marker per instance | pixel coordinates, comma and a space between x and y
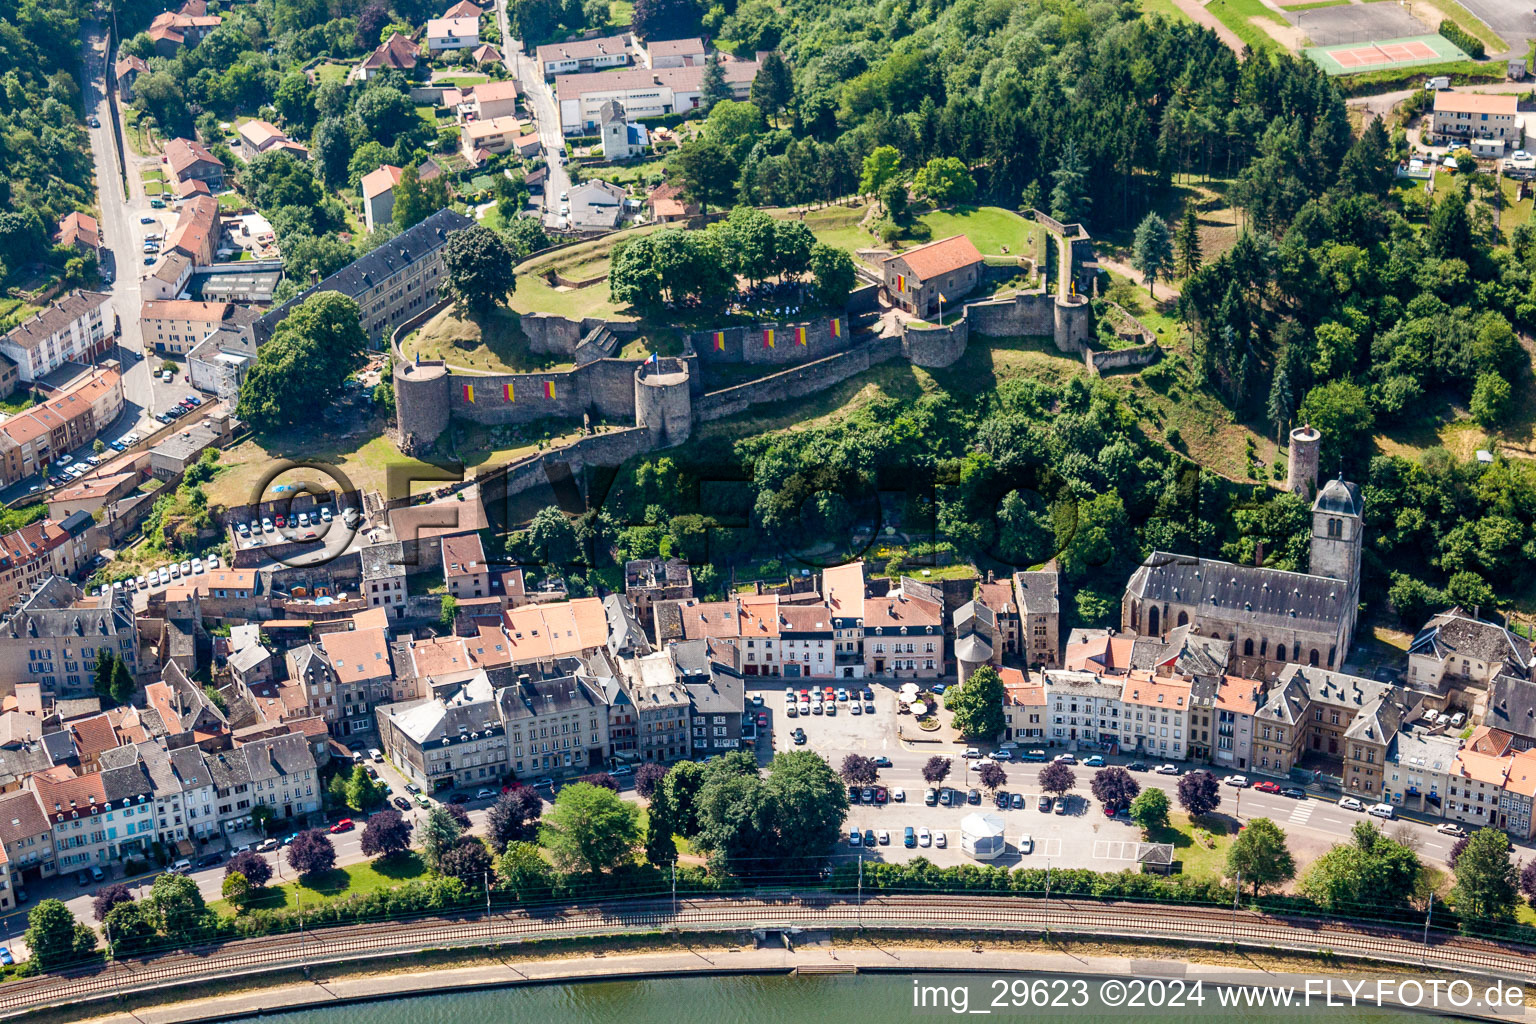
1352, 58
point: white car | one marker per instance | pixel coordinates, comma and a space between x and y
65, 459
1065, 759
213, 561
243, 529
325, 513
175, 570
167, 376
1167, 769
376, 755
883, 837
939, 840
197, 565
303, 518
924, 837
804, 707
1381, 811
971, 753
485, 794
855, 837
143, 582
1349, 803
899, 795
1445, 828
186, 568
266, 524
1026, 844
1240, 781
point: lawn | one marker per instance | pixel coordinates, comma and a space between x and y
1202, 847
331, 73
363, 457
990, 228
154, 181
496, 345
836, 225
579, 262
1516, 211
370, 876
460, 81
1237, 15
1167, 8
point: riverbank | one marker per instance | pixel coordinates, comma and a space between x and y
906, 955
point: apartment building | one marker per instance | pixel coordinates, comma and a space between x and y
661, 706
32, 440
282, 776
176, 326
53, 636
80, 327
1460, 650
42, 549
359, 664
378, 189
1038, 599
1025, 712
1154, 715
27, 836
1084, 709
464, 569
643, 92
189, 160
554, 725
1463, 117
583, 55
390, 284
454, 738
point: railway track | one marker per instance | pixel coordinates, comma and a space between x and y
1009, 915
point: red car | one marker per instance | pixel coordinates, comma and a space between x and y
278, 519
344, 825
762, 721
1267, 787
881, 795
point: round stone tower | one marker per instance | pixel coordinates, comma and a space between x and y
422, 401
1073, 323
663, 403
1301, 472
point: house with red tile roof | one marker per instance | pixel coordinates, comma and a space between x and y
916, 279
190, 160
397, 53
80, 231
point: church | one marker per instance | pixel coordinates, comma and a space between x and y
1271, 617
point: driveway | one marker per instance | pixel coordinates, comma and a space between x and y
546, 115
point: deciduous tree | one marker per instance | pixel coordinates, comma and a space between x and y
936, 769
1259, 856
1114, 787
514, 817
590, 829
977, 704
478, 263
1150, 809
1057, 778
1199, 793
311, 852
1487, 882
386, 834
252, 865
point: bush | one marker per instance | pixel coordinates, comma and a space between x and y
1462, 38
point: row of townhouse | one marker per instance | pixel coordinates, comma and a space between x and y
30, 441
851, 631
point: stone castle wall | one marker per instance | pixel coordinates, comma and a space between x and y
1122, 358
797, 382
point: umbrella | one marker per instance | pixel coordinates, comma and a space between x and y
919, 709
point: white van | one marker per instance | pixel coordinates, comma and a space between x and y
1382, 811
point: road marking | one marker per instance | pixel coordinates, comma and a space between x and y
1114, 849
1051, 847
1302, 812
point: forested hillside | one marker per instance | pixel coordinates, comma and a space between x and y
45, 163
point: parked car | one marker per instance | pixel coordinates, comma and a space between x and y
973, 797
1382, 811
909, 837
853, 794
1065, 759
1026, 844
1035, 756
1237, 781
1267, 787
939, 840
1167, 769
82, 878
267, 844
97, 874
402, 803
855, 837
1349, 803
344, 825
880, 794
930, 796
882, 761
799, 735
869, 837
971, 753
1445, 828
883, 837
899, 795
1001, 798
1093, 762
1044, 805
1016, 802
1294, 793
924, 837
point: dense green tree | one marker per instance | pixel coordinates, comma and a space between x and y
416, 200
1152, 251
1487, 881
469, 861
364, 793
977, 704
834, 275
1070, 200
945, 180
882, 165
774, 87
590, 828
1369, 871
810, 804
132, 928
55, 938
178, 904
713, 88
1260, 857
1188, 242
735, 125
1341, 411
707, 171
305, 363
478, 265
439, 833
1490, 400
1149, 809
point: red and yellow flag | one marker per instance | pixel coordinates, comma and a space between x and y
768, 337
469, 393
719, 341
837, 328
506, 390
549, 389
799, 335
901, 282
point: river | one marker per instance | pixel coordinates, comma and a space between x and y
825, 999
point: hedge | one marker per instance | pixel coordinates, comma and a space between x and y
1462, 38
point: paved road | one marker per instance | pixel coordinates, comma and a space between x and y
1513, 20
121, 233
546, 115
1383, 103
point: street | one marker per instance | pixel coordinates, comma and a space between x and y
121, 233
546, 114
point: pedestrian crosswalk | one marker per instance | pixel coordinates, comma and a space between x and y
1302, 813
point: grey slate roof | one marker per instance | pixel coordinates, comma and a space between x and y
228, 769
49, 611
276, 756
1339, 496
383, 561
1251, 593
1297, 685
191, 768
624, 632
1512, 705
127, 783
1456, 634
547, 697
372, 268
1037, 592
